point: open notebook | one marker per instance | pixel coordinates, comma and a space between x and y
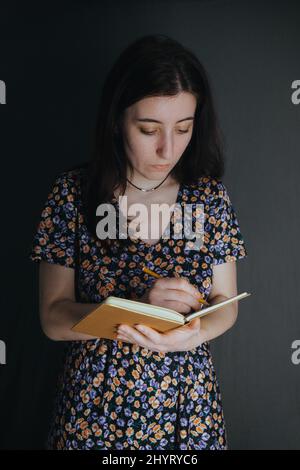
113, 311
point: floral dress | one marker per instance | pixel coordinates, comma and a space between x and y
112, 394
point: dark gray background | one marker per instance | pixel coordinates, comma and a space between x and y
53, 60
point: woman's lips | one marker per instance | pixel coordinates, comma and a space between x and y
161, 167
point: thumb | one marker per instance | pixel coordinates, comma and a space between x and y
195, 323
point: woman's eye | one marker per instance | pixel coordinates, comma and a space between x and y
180, 131
147, 133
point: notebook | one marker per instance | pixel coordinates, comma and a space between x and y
102, 321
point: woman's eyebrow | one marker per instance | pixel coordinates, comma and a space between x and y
190, 118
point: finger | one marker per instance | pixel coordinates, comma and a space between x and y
123, 339
154, 336
188, 295
134, 336
194, 324
145, 330
127, 339
122, 334
177, 283
177, 306
181, 296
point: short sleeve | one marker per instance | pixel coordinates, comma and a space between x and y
227, 243
55, 236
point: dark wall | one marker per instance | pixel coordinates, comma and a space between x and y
53, 61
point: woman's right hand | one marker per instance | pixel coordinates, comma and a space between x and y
174, 293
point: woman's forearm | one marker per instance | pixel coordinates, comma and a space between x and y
216, 323
62, 315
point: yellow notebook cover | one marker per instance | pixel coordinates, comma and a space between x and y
113, 311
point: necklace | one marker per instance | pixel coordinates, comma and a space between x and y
147, 190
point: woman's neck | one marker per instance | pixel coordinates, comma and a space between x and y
145, 183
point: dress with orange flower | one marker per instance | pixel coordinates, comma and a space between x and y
117, 395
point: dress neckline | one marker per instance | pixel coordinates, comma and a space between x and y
139, 241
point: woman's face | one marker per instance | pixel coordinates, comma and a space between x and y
156, 131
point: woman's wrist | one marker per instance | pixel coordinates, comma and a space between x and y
63, 315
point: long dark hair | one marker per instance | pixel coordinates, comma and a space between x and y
153, 65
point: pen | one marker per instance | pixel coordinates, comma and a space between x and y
152, 273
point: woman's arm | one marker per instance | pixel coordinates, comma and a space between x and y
199, 330
224, 286
58, 309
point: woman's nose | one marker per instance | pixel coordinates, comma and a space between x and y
166, 148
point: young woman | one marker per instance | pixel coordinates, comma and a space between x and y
157, 141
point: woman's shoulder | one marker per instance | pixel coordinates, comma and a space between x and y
207, 187
70, 181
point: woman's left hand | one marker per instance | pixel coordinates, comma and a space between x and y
182, 338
